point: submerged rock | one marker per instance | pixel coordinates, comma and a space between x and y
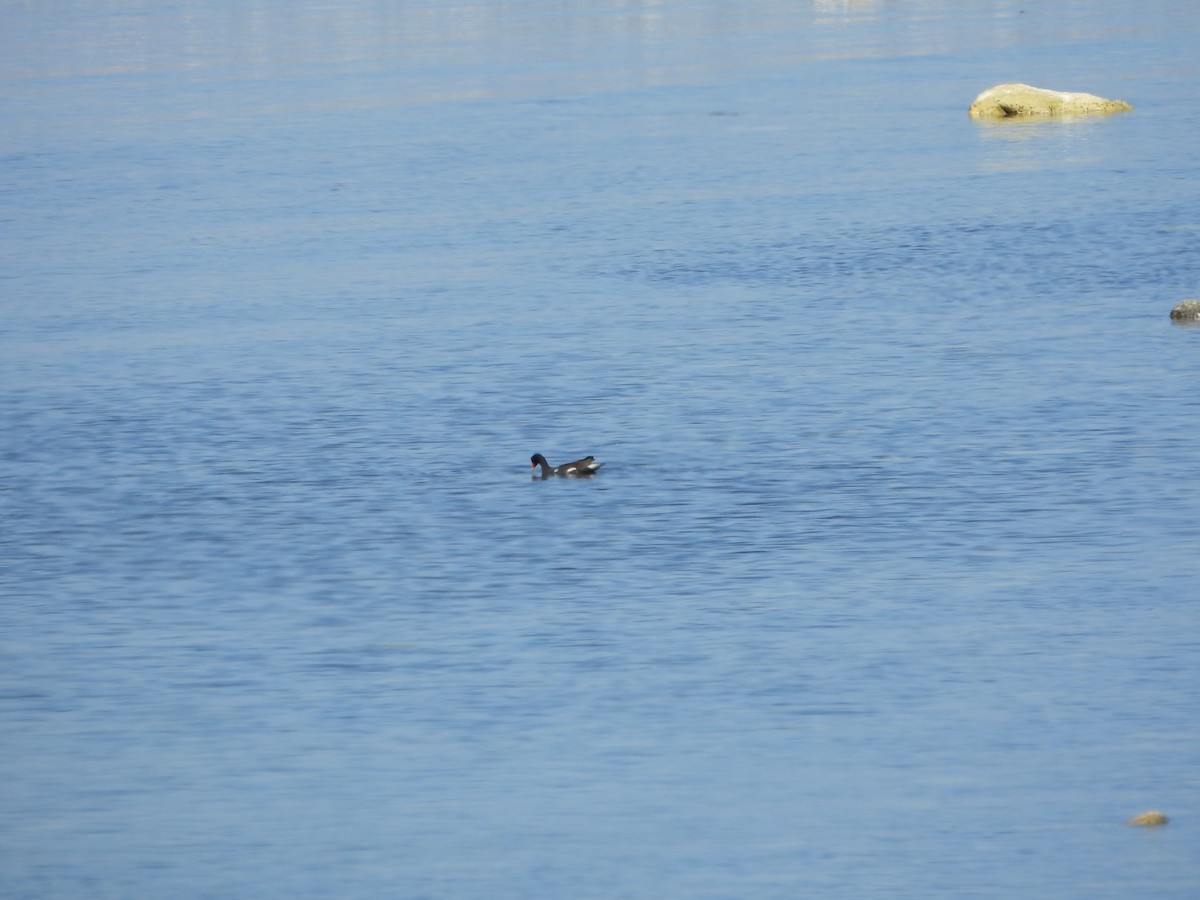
1187, 311
1007, 100
1151, 818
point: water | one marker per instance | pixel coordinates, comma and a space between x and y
888, 587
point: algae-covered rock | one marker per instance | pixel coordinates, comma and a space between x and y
1008, 100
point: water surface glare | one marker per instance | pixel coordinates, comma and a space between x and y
888, 587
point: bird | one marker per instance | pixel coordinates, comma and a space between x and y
585, 466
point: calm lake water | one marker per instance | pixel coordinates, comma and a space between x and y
890, 586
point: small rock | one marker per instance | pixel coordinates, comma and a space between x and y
1149, 819
1007, 100
1187, 310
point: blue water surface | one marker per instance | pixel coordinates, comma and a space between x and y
890, 585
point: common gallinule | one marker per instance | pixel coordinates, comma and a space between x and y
585, 466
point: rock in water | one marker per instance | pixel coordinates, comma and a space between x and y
1187, 311
1151, 818
1008, 100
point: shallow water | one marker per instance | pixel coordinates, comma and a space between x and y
888, 586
